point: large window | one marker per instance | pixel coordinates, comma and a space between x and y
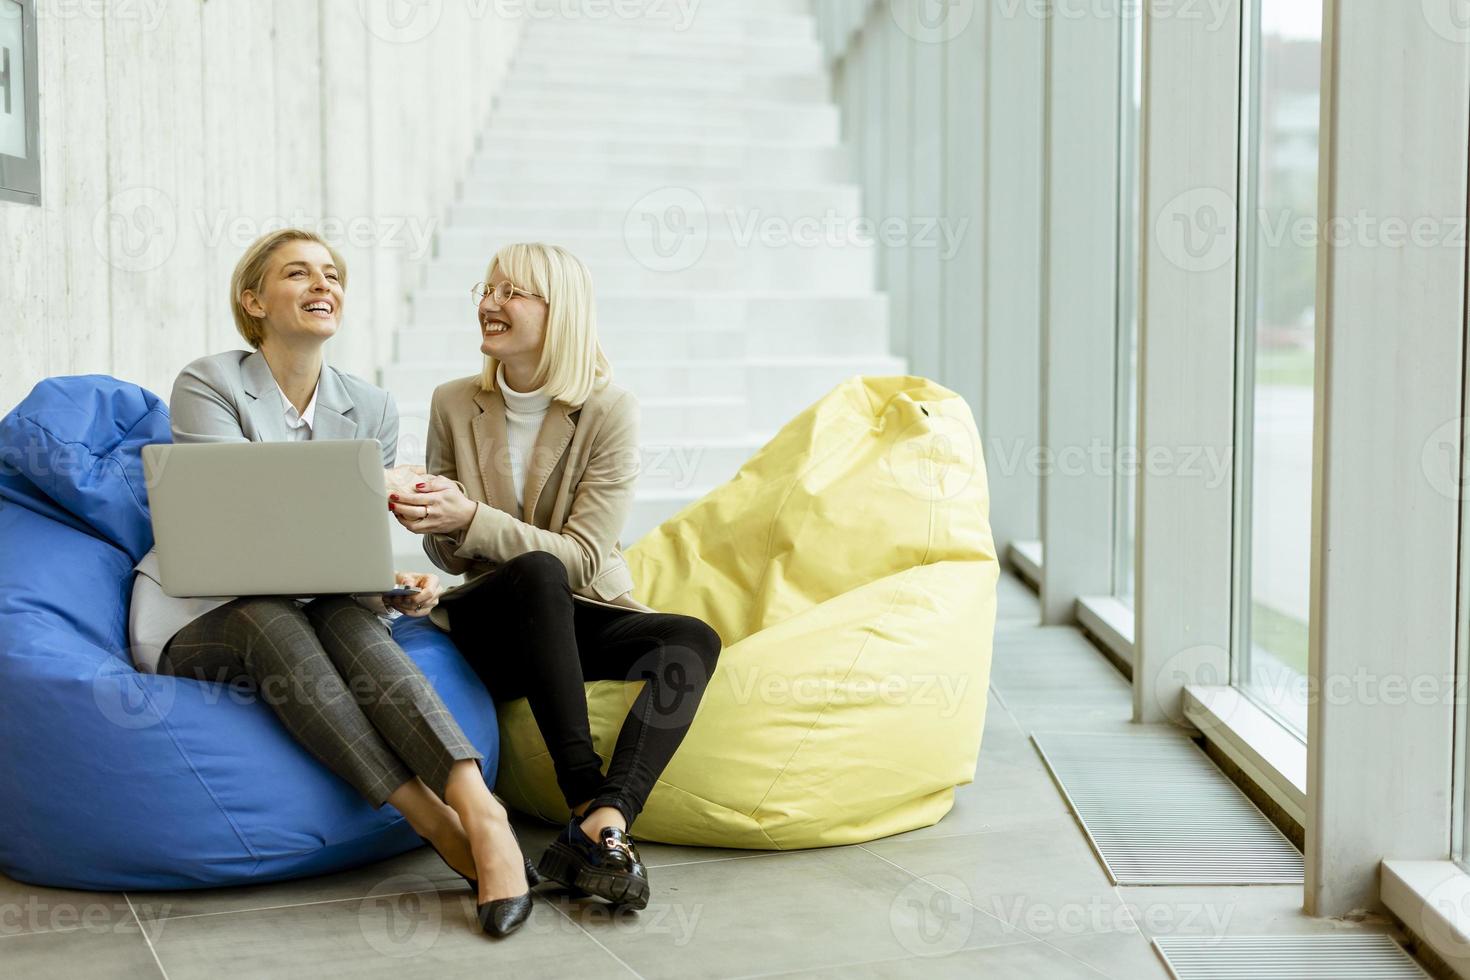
1281, 63
1130, 91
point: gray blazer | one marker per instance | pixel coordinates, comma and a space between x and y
232, 397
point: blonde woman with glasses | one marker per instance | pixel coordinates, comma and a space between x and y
329, 668
535, 460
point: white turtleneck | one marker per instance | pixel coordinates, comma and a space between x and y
524, 413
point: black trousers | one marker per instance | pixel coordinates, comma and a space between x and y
526, 637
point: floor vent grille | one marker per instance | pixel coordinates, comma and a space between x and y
1365, 957
1159, 812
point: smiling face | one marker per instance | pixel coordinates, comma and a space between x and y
300, 296
514, 332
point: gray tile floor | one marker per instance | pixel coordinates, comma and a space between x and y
1004, 886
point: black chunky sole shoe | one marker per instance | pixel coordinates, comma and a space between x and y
608, 868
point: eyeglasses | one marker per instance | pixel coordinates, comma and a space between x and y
501, 291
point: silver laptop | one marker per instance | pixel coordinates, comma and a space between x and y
270, 518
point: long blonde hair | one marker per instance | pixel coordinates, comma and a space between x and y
572, 363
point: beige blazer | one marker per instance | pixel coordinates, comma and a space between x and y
579, 488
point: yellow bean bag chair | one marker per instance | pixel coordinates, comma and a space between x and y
850, 572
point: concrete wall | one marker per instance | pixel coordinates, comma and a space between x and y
173, 132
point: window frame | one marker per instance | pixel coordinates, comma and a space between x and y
20, 177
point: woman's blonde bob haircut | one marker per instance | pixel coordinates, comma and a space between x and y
572, 363
250, 276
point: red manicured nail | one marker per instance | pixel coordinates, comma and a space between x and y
421, 486
392, 508
392, 496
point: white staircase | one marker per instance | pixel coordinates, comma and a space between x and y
700, 175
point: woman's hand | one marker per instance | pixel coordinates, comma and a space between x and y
415, 605
402, 479
437, 506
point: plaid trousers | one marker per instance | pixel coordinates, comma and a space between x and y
332, 673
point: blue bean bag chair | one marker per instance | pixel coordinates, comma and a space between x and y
114, 779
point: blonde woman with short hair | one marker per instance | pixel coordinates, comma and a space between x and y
535, 460
329, 668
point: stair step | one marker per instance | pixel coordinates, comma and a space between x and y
782, 199
458, 277
608, 15
778, 129
615, 309
800, 169
785, 87
637, 341
683, 19
797, 267
652, 147
691, 54
812, 272
675, 107
696, 165
646, 514
680, 218
756, 379
649, 511
665, 422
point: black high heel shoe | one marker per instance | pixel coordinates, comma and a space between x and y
533, 876
502, 916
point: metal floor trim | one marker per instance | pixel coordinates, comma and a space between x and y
1345, 957
1158, 811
